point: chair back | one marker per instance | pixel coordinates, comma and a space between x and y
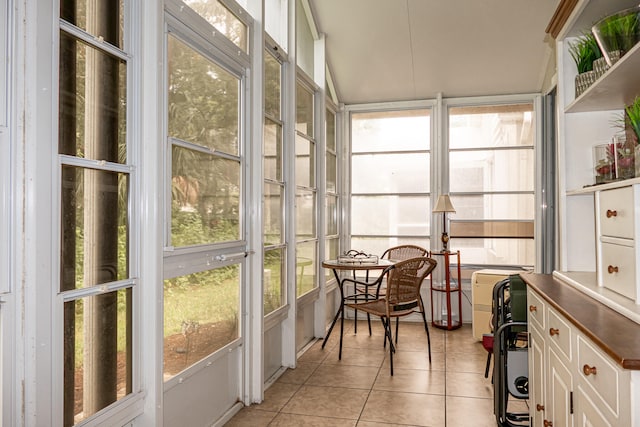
402, 252
404, 281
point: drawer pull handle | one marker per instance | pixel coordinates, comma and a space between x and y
611, 269
554, 331
539, 407
589, 370
611, 213
533, 308
547, 423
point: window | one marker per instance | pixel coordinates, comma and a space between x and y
306, 191
491, 160
332, 230
390, 187
224, 20
96, 280
202, 301
274, 188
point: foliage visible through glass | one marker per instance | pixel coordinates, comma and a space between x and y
305, 267
304, 110
110, 28
223, 20
201, 315
273, 208
274, 267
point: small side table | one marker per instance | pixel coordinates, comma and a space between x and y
445, 295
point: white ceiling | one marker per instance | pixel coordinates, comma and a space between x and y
393, 50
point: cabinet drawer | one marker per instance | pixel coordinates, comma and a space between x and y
618, 269
616, 213
602, 377
536, 309
559, 332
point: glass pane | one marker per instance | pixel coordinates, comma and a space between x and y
331, 131
390, 216
305, 162
305, 267
492, 170
205, 195
332, 215
201, 315
517, 252
305, 214
273, 220
97, 353
331, 173
95, 229
274, 284
272, 150
304, 110
222, 20
391, 131
103, 20
92, 117
377, 245
491, 126
390, 173
272, 85
493, 206
204, 100
275, 17
331, 248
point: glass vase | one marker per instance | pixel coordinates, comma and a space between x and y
604, 163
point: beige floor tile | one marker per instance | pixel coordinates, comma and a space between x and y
251, 417
293, 420
467, 362
315, 354
354, 356
276, 396
466, 411
328, 375
335, 402
411, 381
405, 408
415, 360
375, 424
300, 374
465, 384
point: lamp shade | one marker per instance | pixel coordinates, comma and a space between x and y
444, 204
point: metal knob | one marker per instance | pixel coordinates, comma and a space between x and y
589, 370
554, 331
611, 213
539, 407
533, 308
611, 269
547, 423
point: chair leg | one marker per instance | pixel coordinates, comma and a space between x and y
387, 333
426, 328
486, 369
397, 323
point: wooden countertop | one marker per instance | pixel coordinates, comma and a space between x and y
615, 334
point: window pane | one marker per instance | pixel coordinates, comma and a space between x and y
92, 117
305, 162
491, 126
201, 315
274, 289
305, 267
272, 88
272, 150
305, 214
331, 252
205, 195
273, 220
390, 173
391, 131
492, 170
222, 20
331, 131
105, 21
332, 215
331, 173
390, 215
97, 353
204, 100
517, 252
95, 245
377, 245
493, 206
304, 110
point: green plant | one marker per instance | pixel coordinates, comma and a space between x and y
632, 117
584, 51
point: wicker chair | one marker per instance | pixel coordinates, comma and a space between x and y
396, 253
402, 296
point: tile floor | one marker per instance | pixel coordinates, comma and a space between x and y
358, 390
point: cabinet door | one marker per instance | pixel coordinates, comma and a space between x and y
587, 412
558, 409
536, 378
